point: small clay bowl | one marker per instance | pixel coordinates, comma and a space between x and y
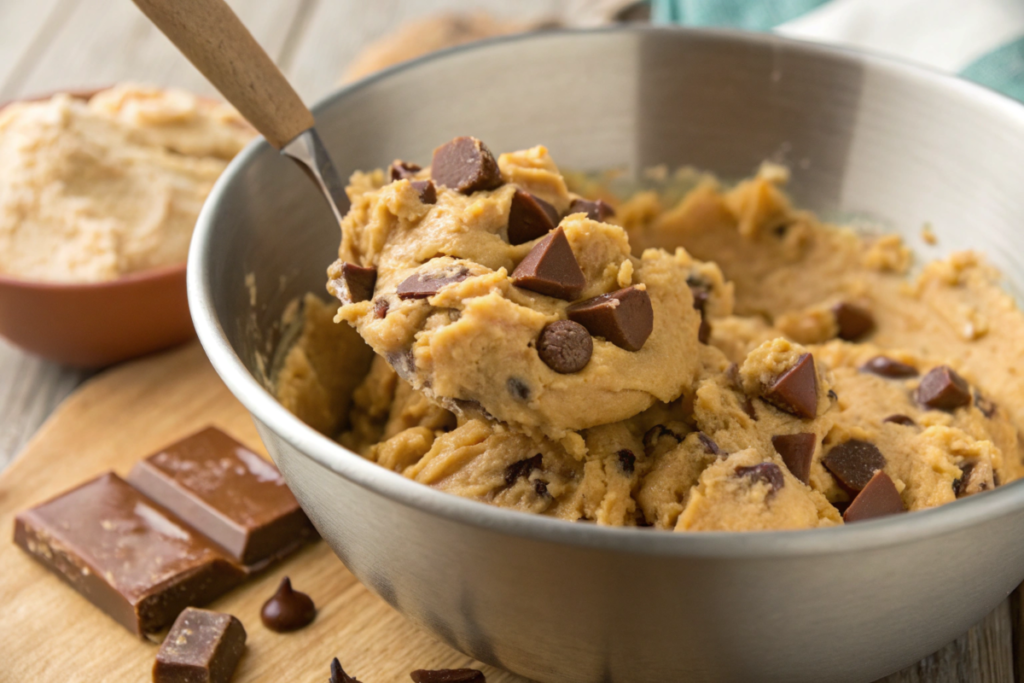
93, 325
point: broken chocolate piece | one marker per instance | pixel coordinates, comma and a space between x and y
973, 478
877, 498
654, 435
529, 217
766, 472
201, 647
853, 321
551, 268
426, 190
380, 308
402, 169
596, 210
425, 285
854, 462
135, 561
565, 346
627, 460
288, 609
351, 283
984, 404
338, 674
796, 390
522, 469
625, 318
519, 389
797, 451
887, 367
465, 164
448, 676
710, 447
943, 389
899, 419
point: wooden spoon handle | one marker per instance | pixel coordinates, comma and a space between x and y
219, 45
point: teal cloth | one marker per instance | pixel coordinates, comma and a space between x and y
1002, 69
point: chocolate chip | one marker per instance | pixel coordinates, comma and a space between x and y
424, 285
338, 674
565, 346
797, 451
627, 460
401, 169
748, 408
704, 332
972, 479
426, 190
551, 268
519, 389
465, 164
854, 462
540, 488
529, 217
655, 434
351, 283
701, 292
943, 389
380, 308
522, 468
596, 210
710, 447
984, 404
625, 318
832, 395
448, 676
899, 419
288, 609
853, 321
767, 472
878, 498
889, 368
796, 390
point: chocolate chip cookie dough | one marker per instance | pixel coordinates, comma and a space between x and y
724, 363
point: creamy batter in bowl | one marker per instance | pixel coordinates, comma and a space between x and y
570, 602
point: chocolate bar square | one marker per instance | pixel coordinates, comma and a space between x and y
202, 647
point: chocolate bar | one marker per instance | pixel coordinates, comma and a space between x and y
202, 647
134, 560
230, 494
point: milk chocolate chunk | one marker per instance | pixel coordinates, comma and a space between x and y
889, 368
877, 498
228, 493
351, 283
943, 389
596, 210
765, 472
380, 308
424, 285
853, 463
338, 674
975, 477
529, 217
853, 321
551, 268
797, 451
131, 558
288, 609
448, 676
899, 419
465, 164
403, 169
796, 390
426, 190
201, 647
625, 318
565, 346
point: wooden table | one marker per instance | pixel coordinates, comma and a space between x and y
48, 45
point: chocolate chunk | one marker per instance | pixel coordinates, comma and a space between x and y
519, 389
655, 434
202, 646
973, 478
551, 268
767, 472
402, 169
899, 419
982, 403
748, 408
403, 363
380, 308
796, 390
704, 332
565, 346
522, 469
288, 609
853, 463
424, 285
710, 447
887, 367
465, 164
797, 451
338, 674
943, 389
627, 460
701, 291
596, 210
233, 496
351, 283
540, 487
529, 217
448, 676
136, 562
426, 190
853, 321
877, 498
625, 318
832, 395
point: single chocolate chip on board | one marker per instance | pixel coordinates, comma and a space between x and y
565, 346
796, 390
288, 609
351, 283
466, 165
401, 169
853, 321
797, 451
425, 285
889, 368
529, 217
448, 676
625, 318
338, 674
426, 190
899, 419
551, 269
943, 389
766, 472
596, 210
853, 463
878, 498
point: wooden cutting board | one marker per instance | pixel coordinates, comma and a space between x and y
49, 633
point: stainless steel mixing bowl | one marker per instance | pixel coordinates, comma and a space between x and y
575, 602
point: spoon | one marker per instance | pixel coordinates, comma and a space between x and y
213, 38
